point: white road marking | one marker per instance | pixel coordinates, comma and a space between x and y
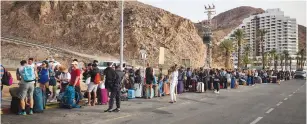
270, 110
290, 95
294, 92
278, 104
257, 119
286, 99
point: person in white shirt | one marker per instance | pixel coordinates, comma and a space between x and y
64, 78
173, 84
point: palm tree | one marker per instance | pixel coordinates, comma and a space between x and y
265, 60
239, 36
297, 60
227, 45
286, 55
273, 54
290, 59
260, 34
276, 58
302, 58
246, 61
281, 58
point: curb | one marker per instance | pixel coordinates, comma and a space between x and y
5, 111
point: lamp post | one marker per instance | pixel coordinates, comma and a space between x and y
143, 57
122, 36
207, 34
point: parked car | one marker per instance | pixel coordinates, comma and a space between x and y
103, 65
300, 73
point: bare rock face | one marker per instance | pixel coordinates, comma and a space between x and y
301, 37
94, 28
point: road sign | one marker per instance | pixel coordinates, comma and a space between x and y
143, 54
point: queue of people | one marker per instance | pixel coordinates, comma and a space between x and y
113, 83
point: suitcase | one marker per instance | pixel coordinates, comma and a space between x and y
104, 96
138, 90
274, 79
15, 105
192, 86
200, 87
131, 94
166, 88
39, 101
180, 87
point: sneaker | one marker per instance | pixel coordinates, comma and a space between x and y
22, 113
31, 112
108, 110
218, 92
53, 101
116, 110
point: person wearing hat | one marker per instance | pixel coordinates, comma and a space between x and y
75, 77
64, 78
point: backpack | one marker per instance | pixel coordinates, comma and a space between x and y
97, 79
68, 98
7, 78
51, 73
28, 74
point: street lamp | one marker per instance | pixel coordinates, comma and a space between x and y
122, 36
143, 57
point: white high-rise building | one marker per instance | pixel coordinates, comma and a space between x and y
282, 34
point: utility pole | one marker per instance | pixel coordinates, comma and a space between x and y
207, 38
122, 36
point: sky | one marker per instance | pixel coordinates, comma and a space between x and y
194, 9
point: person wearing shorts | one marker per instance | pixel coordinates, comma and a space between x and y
64, 78
26, 90
43, 78
92, 87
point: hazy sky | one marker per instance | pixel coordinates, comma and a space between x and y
194, 9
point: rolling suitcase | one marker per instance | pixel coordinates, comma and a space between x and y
274, 79
131, 94
104, 99
192, 86
200, 87
180, 87
39, 101
138, 90
166, 88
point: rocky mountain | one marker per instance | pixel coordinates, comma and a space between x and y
94, 28
302, 37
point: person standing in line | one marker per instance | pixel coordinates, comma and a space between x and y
26, 86
115, 90
92, 87
149, 80
216, 82
75, 78
64, 78
43, 78
189, 78
173, 83
52, 81
70, 68
110, 76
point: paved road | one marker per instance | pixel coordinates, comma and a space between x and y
260, 104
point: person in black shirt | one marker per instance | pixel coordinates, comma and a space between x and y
115, 90
149, 80
110, 76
